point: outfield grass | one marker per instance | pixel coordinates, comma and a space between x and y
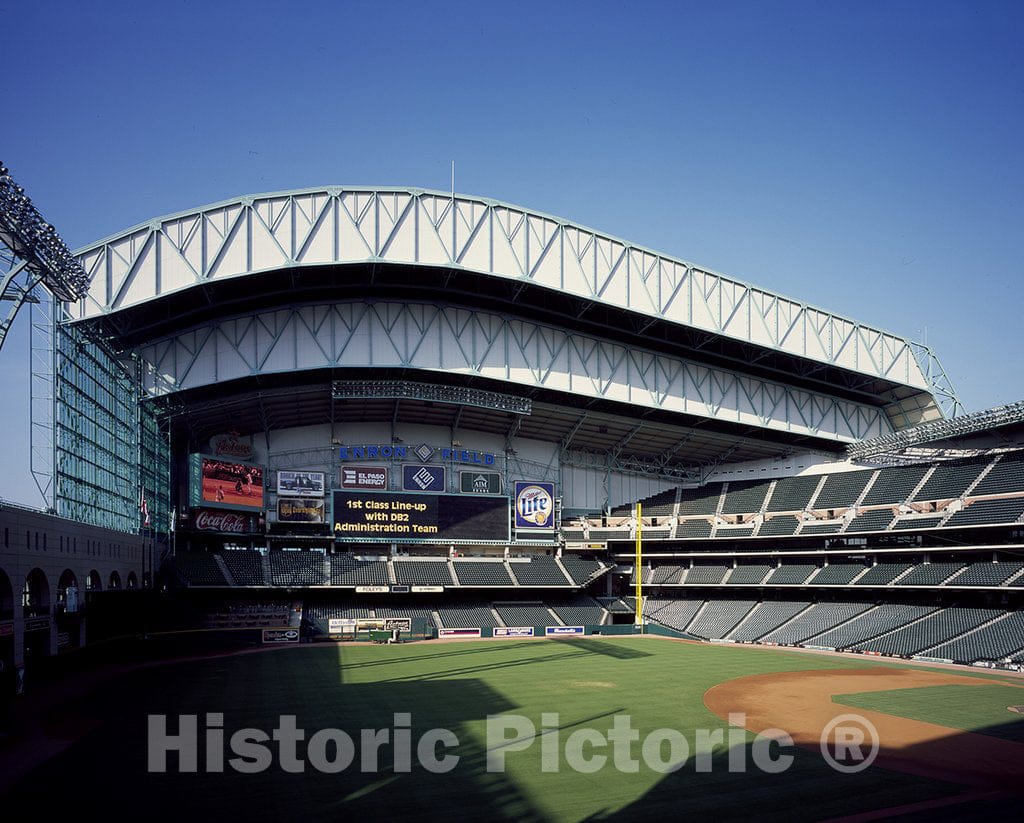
973, 709
586, 682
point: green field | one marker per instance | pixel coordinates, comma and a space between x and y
455, 686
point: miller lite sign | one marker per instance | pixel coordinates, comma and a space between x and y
535, 505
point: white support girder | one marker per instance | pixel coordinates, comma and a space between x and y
332, 226
433, 338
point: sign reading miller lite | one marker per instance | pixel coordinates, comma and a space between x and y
535, 505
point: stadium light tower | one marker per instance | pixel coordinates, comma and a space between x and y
32, 254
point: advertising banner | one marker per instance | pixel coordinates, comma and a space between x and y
280, 635
458, 632
422, 478
535, 505
225, 484
370, 478
414, 516
561, 631
300, 510
480, 482
211, 520
517, 631
301, 484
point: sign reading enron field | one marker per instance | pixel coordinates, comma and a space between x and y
410, 516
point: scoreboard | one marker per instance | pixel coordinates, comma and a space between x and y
412, 516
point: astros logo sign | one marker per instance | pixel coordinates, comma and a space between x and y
535, 505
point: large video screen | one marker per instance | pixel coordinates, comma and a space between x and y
225, 484
412, 517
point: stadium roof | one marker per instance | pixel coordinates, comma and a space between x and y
301, 245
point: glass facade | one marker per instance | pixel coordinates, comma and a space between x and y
109, 448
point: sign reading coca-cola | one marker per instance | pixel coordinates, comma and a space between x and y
211, 520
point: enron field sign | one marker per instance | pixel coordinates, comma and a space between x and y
411, 517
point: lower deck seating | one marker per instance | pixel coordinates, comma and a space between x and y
467, 617
817, 619
199, 569
244, 566
766, 617
297, 568
539, 570
720, 617
527, 614
583, 611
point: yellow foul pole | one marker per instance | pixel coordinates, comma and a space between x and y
638, 568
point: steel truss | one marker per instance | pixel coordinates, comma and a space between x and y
336, 225
427, 337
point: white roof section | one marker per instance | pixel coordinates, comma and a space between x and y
358, 225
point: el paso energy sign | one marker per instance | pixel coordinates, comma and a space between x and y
411, 516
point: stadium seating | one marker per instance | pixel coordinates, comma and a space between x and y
882, 574
676, 614
481, 573
791, 574
929, 574
937, 627
583, 611
894, 484
526, 614
837, 574
348, 571
842, 489
703, 500
466, 617
665, 574
693, 528
873, 520
793, 494
749, 574
745, 496
816, 619
245, 567
199, 569
985, 512
1006, 476
766, 617
297, 568
871, 623
422, 572
705, 574
951, 480
779, 526
917, 522
720, 617
657, 505
986, 574
580, 570
997, 641
539, 570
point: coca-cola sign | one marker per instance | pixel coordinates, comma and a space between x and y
210, 520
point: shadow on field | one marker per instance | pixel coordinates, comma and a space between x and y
603, 647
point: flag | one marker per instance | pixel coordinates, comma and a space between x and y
144, 509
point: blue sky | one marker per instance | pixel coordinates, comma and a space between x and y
862, 157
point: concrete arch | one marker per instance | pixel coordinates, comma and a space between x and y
115, 580
35, 595
93, 581
6, 596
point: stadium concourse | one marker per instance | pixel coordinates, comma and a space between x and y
340, 413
